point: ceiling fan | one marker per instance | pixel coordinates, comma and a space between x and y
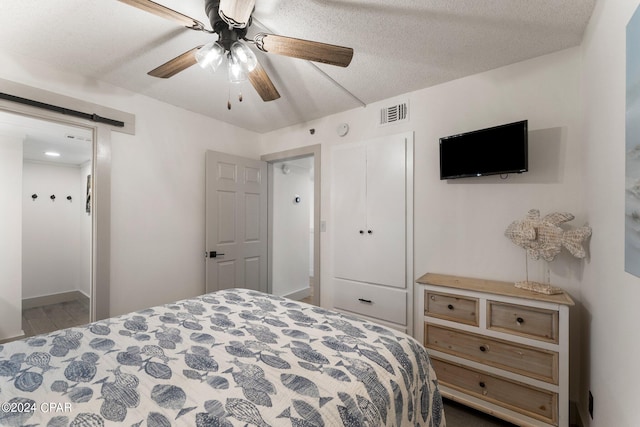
230, 20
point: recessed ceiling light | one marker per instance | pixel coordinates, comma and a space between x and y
52, 154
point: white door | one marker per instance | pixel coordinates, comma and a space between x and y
385, 252
370, 211
348, 198
236, 222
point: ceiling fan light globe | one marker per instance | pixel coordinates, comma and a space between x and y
237, 74
244, 56
210, 56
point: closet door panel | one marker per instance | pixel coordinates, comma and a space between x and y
385, 252
348, 199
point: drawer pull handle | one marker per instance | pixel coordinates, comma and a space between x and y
450, 307
368, 301
483, 348
520, 320
482, 384
361, 231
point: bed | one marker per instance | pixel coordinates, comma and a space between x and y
233, 357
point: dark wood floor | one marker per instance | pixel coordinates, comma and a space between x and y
458, 415
49, 318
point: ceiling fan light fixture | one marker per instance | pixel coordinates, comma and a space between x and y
236, 13
244, 56
237, 73
210, 56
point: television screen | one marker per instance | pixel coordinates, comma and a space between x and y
497, 150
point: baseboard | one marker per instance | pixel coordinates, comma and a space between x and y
299, 294
53, 299
17, 337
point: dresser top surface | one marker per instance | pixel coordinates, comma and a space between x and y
492, 287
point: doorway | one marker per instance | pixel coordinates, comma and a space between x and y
56, 226
294, 223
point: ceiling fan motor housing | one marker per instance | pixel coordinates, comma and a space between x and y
226, 36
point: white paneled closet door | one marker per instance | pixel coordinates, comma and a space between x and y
349, 204
369, 203
372, 239
385, 249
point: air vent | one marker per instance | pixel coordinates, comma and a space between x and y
394, 114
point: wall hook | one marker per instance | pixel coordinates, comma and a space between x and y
69, 198
53, 197
34, 196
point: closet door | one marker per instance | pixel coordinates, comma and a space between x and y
348, 191
385, 251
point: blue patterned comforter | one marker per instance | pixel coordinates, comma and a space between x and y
234, 357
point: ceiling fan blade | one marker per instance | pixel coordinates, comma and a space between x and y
236, 13
177, 64
165, 12
304, 49
263, 84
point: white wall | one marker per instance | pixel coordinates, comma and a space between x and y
52, 245
157, 188
291, 224
610, 343
10, 230
459, 225
158, 205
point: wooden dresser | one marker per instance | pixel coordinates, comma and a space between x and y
497, 348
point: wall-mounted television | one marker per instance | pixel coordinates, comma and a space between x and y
492, 151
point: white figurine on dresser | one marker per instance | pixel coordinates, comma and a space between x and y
543, 237
497, 348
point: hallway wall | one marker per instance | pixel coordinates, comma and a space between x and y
291, 225
52, 230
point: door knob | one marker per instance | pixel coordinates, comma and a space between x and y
212, 254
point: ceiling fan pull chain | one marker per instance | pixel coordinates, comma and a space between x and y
229, 99
240, 97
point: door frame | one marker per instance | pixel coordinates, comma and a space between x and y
296, 153
101, 173
96, 244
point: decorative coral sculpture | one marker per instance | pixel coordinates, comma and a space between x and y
543, 238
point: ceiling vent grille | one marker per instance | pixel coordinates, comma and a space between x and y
397, 113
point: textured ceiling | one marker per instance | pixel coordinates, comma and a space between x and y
400, 46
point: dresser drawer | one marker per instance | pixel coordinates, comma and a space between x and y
517, 319
451, 307
370, 300
527, 400
530, 361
